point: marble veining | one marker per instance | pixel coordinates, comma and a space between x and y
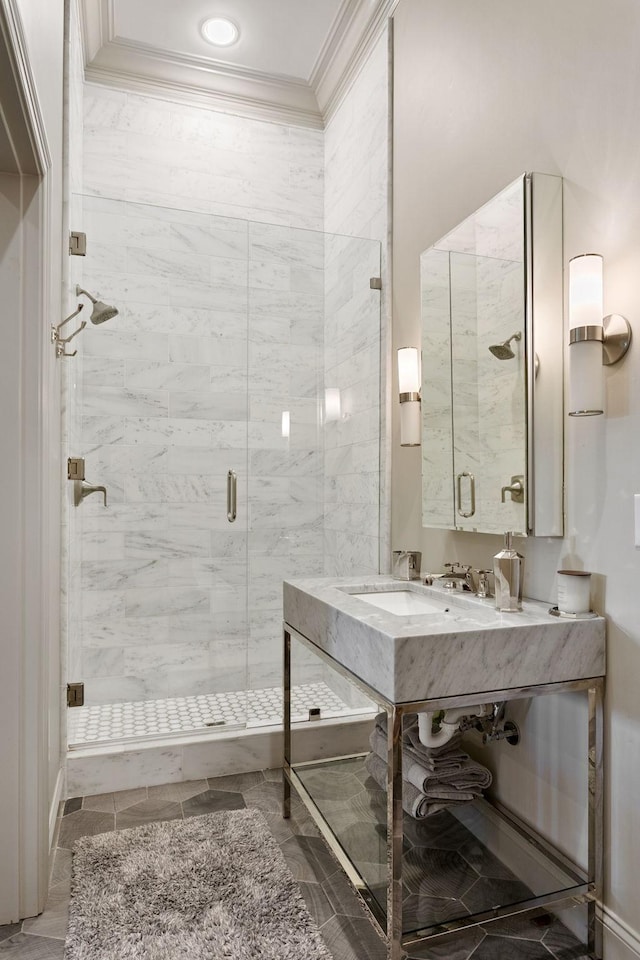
467, 648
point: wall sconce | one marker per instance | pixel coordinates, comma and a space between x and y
594, 341
286, 424
409, 388
332, 404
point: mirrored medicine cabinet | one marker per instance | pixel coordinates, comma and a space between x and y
492, 346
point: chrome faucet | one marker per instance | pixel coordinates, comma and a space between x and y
458, 576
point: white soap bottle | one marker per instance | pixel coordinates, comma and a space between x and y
508, 570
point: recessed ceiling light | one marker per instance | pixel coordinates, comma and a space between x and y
220, 31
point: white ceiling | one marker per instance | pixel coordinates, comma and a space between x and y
292, 63
282, 37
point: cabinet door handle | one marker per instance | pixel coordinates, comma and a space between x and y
232, 496
472, 491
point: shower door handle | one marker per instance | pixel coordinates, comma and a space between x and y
232, 496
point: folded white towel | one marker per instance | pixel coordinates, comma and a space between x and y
418, 805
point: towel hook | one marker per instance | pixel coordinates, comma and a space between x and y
61, 341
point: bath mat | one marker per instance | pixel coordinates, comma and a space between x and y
214, 887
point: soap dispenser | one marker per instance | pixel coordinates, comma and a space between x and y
508, 569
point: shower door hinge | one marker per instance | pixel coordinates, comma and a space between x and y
75, 694
77, 244
375, 283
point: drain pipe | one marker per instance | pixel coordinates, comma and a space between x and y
449, 723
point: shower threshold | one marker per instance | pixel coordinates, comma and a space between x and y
203, 715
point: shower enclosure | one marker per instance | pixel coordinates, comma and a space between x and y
201, 408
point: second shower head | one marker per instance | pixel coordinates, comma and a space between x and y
101, 311
502, 350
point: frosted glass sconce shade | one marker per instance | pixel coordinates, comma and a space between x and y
409, 389
585, 291
286, 424
594, 341
332, 407
408, 370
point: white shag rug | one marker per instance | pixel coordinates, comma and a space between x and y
214, 887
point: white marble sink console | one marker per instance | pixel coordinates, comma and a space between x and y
464, 647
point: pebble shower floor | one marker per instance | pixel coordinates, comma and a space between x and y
107, 722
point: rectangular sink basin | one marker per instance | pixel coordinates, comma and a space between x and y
403, 603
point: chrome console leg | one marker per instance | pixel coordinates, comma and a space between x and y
286, 786
394, 834
595, 816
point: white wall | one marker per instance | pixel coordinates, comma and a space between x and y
484, 92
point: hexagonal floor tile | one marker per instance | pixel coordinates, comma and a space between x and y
437, 873
211, 801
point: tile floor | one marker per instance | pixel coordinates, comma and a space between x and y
347, 932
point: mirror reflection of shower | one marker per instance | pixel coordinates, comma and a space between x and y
502, 350
101, 311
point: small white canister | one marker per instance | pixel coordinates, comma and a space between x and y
574, 591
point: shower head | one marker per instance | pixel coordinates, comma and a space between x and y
502, 350
101, 311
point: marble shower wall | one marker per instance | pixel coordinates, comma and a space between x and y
220, 332
357, 332
155, 151
223, 328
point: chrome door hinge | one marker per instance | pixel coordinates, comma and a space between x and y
375, 283
75, 694
77, 244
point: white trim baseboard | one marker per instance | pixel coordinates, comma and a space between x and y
617, 927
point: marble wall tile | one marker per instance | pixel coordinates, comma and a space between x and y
207, 573
130, 345
171, 544
102, 545
103, 371
212, 350
125, 517
122, 402
104, 773
106, 662
124, 574
151, 601
208, 405
170, 431
175, 489
97, 604
126, 631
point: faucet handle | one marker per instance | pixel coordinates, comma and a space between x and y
484, 588
449, 566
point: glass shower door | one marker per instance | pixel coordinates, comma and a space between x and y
158, 610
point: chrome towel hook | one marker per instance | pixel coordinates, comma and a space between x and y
61, 341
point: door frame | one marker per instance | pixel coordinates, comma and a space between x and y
27, 506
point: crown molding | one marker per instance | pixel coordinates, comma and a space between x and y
358, 26
201, 81
98, 26
196, 96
